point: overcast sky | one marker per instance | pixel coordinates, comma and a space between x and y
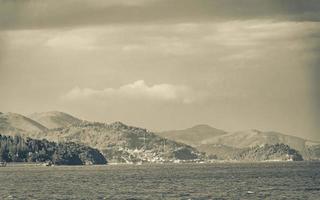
160, 64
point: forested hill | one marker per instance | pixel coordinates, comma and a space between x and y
275, 152
18, 149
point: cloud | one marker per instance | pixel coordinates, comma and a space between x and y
2, 46
183, 50
38, 14
137, 90
73, 42
172, 39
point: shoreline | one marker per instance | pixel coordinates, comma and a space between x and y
21, 164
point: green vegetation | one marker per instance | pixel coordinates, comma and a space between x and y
18, 149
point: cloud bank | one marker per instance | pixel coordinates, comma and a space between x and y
137, 90
35, 14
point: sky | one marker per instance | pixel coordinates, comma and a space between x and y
160, 64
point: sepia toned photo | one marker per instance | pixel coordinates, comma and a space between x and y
160, 99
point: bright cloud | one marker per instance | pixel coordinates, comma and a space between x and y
137, 90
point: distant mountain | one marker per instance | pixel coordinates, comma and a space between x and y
194, 136
251, 138
54, 119
16, 123
19, 149
224, 145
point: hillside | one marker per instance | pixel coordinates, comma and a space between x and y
19, 149
119, 142
122, 143
275, 152
15, 123
194, 136
251, 138
224, 145
219, 151
314, 152
54, 119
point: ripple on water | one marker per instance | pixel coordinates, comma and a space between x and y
184, 181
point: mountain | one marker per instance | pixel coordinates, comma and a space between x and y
54, 119
19, 149
119, 142
13, 123
274, 152
314, 152
122, 143
225, 145
194, 136
219, 151
244, 139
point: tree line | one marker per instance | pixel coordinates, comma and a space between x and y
19, 149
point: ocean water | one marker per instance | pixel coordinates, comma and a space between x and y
291, 180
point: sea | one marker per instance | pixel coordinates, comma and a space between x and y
267, 180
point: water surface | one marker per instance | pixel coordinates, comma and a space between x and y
291, 180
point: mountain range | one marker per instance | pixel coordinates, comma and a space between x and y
122, 143
117, 141
226, 144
